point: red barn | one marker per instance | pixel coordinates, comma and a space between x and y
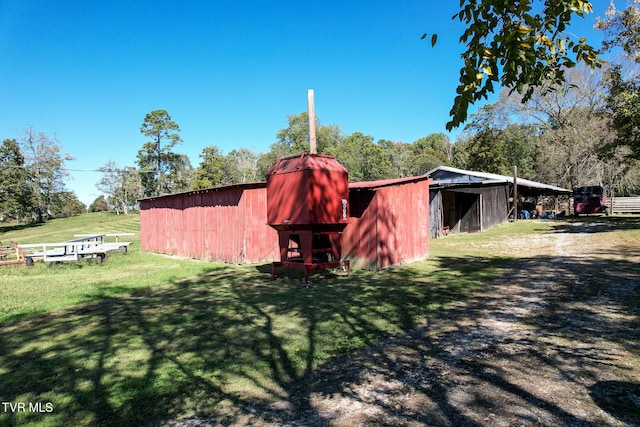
227, 224
389, 222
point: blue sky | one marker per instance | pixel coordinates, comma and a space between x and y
229, 72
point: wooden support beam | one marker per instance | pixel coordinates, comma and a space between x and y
515, 193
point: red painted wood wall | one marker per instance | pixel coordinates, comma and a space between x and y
227, 224
389, 223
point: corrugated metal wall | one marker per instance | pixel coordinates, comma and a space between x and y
359, 241
389, 225
225, 224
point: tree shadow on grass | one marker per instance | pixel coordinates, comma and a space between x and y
225, 345
597, 224
498, 355
5, 228
235, 347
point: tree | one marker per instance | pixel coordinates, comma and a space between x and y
110, 182
241, 166
430, 152
237, 167
44, 165
66, 204
130, 190
622, 29
176, 171
99, 205
493, 144
572, 127
15, 192
365, 160
522, 149
484, 152
519, 44
294, 139
499, 150
623, 104
160, 128
210, 173
122, 186
180, 176
399, 155
556, 137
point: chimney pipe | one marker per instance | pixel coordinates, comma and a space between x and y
312, 123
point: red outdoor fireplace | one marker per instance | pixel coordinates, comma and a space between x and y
308, 204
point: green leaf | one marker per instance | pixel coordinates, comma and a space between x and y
434, 39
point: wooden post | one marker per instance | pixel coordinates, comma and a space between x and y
515, 193
312, 123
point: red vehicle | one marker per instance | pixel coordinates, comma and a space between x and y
588, 200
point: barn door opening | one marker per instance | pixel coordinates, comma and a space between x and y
461, 212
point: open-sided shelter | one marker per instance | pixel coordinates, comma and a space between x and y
469, 201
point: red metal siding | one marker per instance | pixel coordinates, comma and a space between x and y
227, 224
406, 214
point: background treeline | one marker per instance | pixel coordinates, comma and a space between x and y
563, 137
584, 132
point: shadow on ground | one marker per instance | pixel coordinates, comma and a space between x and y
538, 346
598, 224
484, 338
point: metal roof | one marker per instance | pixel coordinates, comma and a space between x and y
450, 175
244, 186
386, 182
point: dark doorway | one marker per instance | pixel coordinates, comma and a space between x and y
461, 212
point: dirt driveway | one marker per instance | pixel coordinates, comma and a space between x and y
553, 341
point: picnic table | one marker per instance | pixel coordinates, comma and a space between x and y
84, 246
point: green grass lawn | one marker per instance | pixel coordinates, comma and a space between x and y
145, 338
44, 287
63, 229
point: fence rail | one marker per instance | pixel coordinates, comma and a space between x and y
625, 205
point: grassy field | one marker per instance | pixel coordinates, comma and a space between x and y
146, 338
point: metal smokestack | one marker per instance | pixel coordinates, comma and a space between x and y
312, 123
